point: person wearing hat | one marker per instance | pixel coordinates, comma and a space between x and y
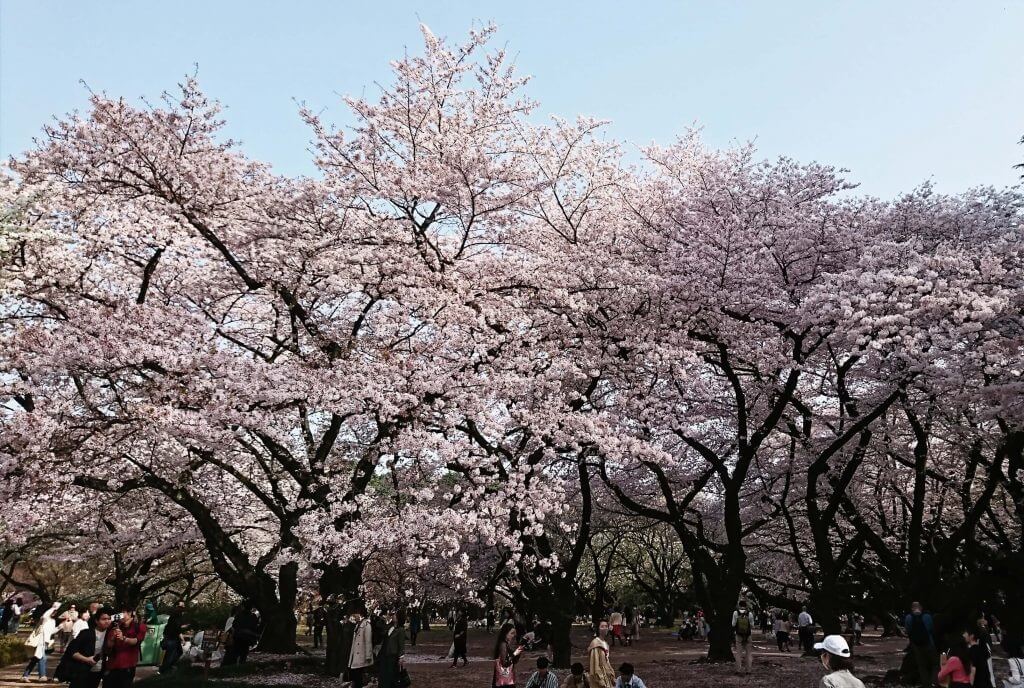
628, 679
542, 678
835, 656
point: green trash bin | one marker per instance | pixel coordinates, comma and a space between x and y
150, 652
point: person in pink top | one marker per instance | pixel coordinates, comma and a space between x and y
955, 667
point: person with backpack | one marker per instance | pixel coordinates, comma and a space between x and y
743, 626
920, 630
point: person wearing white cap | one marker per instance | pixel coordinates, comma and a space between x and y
835, 657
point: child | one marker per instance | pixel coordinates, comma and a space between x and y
627, 679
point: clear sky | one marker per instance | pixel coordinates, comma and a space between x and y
897, 91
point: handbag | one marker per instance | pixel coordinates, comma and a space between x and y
503, 676
403, 679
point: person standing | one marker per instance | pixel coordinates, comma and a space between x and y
981, 658
460, 639
361, 655
172, 642
84, 622
245, 631
743, 627
17, 609
414, 626
40, 640
601, 673
392, 652
805, 626
919, 628
489, 619
836, 658
123, 650
318, 623
506, 654
82, 663
616, 623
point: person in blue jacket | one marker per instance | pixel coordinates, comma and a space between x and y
921, 632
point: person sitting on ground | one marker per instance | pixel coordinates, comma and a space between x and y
543, 678
835, 657
627, 678
577, 677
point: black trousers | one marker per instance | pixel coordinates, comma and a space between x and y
90, 680
119, 678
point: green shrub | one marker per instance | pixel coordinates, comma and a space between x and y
12, 650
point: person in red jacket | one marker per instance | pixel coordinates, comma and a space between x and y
123, 644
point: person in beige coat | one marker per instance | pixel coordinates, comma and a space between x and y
361, 655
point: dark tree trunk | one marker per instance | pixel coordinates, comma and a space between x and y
342, 584
277, 612
561, 640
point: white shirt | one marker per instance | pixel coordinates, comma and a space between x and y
100, 637
78, 627
804, 619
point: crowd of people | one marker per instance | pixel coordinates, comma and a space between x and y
96, 646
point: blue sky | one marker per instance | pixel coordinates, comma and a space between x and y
898, 92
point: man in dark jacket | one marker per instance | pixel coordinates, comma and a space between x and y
83, 660
171, 644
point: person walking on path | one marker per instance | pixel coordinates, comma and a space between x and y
123, 644
743, 627
919, 628
361, 655
40, 641
543, 677
836, 658
805, 625
506, 654
392, 652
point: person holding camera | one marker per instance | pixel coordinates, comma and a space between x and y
123, 644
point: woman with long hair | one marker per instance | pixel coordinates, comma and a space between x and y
506, 654
955, 671
601, 673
